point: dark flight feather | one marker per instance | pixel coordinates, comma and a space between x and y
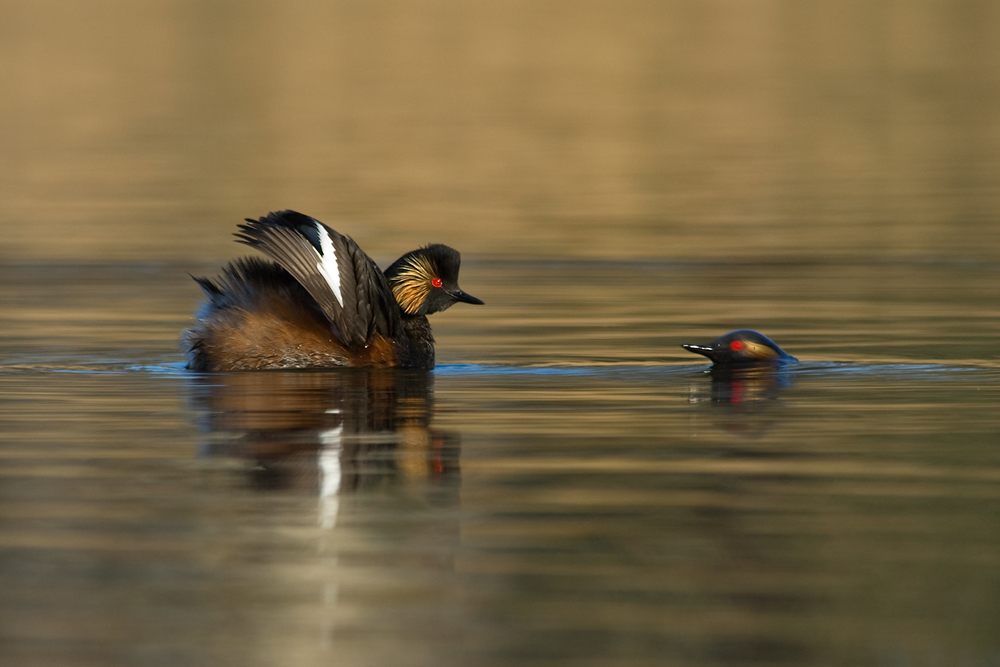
356, 299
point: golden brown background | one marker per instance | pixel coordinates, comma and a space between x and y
627, 129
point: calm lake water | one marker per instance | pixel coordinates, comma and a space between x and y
569, 486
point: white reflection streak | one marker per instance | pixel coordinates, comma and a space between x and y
332, 441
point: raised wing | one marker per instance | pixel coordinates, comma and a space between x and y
346, 283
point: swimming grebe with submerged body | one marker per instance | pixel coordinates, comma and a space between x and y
743, 346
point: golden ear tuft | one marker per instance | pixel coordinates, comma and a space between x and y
412, 283
758, 351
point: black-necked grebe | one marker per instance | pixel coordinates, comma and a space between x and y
321, 303
742, 346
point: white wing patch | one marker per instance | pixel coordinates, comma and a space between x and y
328, 265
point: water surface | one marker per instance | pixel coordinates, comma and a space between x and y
568, 487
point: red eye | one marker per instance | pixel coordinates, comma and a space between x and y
437, 282
736, 345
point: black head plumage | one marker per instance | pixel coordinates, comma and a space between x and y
425, 280
743, 346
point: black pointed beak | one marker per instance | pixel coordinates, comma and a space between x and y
705, 350
459, 295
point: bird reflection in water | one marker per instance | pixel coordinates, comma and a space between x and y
328, 432
746, 386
